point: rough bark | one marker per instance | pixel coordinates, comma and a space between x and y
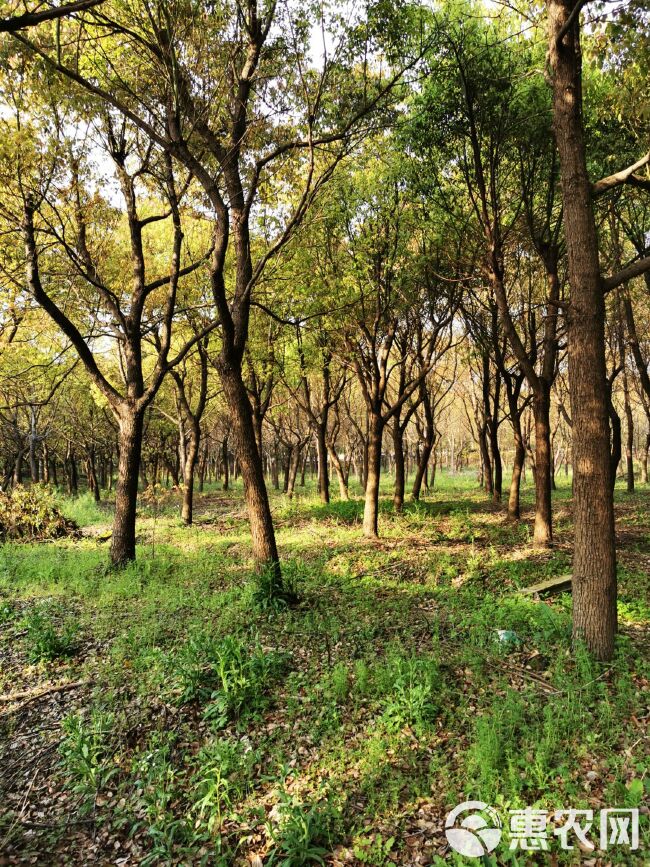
126, 492
543, 532
594, 560
250, 464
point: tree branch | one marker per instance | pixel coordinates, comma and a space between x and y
30, 19
625, 176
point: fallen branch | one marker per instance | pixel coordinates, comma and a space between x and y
32, 696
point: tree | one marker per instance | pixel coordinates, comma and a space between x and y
229, 93
59, 215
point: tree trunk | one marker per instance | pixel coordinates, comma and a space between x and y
486, 463
344, 493
543, 533
275, 467
226, 463
398, 448
191, 456
421, 469
644, 460
292, 471
616, 448
371, 506
323, 475
131, 425
92, 476
497, 464
594, 560
265, 550
629, 437
514, 510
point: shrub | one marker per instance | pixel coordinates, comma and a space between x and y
31, 514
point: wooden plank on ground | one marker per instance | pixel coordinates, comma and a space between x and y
553, 585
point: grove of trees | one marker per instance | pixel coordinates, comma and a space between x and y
262, 239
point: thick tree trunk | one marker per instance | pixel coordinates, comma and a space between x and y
131, 425
543, 533
594, 560
265, 550
373, 452
398, 448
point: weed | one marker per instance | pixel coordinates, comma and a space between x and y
223, 774
303, 833
411, 688
226, 673
87, 752
273, 592
373, 850
45, 641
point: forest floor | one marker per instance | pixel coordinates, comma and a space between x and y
166, 713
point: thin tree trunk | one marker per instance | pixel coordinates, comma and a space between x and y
371, 506
191, 457
629, 436
131, 425
292, 471
644, 460
92, 477
398, 448
514, 508
487, 481
344, 493
323, 474
226, 463
497, 464
543, 532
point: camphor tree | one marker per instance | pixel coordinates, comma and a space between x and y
594, 558
229, 91
470, 119
78, 252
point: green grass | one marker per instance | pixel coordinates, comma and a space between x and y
220, 726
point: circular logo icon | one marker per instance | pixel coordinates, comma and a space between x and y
477, 833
